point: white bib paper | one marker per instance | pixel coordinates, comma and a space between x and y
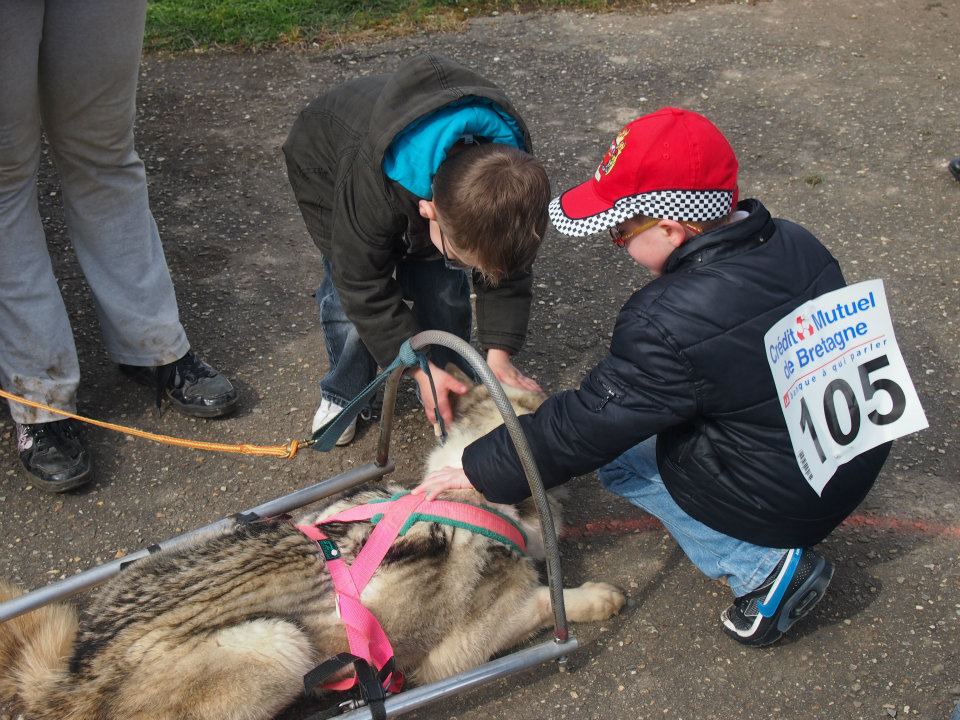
842, 382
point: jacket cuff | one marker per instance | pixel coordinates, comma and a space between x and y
502, 341
497, 346
510, 486
386, 348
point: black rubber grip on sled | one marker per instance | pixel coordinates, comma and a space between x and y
151, 549
368, 681
321, 672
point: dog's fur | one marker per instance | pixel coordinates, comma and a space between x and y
227, 628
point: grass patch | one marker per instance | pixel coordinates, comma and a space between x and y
184, 24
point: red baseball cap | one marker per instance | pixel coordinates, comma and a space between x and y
672, 164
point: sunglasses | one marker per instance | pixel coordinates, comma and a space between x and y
620, 239
448, 262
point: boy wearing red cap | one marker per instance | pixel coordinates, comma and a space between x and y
682, 416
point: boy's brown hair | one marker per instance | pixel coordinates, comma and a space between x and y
492, 201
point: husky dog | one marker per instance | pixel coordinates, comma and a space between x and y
227, 628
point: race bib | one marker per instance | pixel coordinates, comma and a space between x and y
843, 385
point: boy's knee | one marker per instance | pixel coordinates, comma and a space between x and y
635, 467
453, 298
330, 308
612, 474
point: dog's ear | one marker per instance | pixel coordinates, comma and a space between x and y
459, 374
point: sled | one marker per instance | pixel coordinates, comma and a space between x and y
557, 648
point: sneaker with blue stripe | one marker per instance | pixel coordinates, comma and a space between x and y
797, 584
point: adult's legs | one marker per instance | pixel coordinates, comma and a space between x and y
38, 359
634, 476
88, 70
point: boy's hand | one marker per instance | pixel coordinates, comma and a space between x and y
507, 373
445, 384
448, 478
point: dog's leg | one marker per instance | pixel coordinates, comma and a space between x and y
514, 617
249, 671
590, 602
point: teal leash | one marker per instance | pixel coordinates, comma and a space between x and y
325, 438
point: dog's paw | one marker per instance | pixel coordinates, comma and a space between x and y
593, 601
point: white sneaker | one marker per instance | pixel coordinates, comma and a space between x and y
327, 412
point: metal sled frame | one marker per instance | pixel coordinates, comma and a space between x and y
418, 697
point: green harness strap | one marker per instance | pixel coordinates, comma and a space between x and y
477, 529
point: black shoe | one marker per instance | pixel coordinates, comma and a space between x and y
192, 386
954, 166
52, 454
793, 588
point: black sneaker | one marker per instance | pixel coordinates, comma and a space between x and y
52, 454
793, 588
192, 386
954, 166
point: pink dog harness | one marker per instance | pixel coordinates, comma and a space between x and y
392, 517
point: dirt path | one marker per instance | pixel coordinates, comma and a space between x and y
843, 115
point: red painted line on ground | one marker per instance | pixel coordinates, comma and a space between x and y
916, 527
647, 524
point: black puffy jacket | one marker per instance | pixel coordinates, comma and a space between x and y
687, 363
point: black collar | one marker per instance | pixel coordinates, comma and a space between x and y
724, 241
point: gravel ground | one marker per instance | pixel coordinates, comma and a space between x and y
843, 115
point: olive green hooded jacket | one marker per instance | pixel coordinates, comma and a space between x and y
364, 223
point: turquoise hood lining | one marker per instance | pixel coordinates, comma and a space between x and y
417, 151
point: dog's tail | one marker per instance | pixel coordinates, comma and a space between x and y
34, 649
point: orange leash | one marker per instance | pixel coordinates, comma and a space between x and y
283, 451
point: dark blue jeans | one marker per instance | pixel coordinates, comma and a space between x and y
441, 301
635, 476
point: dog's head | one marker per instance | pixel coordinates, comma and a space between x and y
477, 403
476, 414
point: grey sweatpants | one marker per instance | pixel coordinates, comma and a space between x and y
72, 66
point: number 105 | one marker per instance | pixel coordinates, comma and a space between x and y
851, 406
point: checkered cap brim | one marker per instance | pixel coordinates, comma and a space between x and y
680, 205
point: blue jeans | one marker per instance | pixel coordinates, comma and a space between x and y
634, 476
441, 301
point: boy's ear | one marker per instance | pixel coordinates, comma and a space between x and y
428, 209
676, 234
